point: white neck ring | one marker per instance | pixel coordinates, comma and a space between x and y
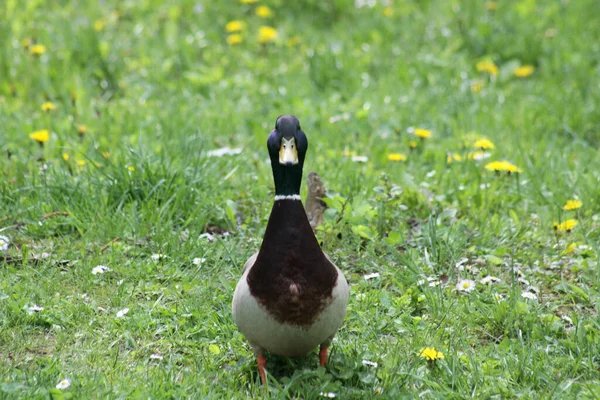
287, 197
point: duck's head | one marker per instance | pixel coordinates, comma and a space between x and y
287, 145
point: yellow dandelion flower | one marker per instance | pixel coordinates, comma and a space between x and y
388, 11
65, 156
572, 205
81, 129
454, 157
412, 144
492, 6
131, 168
349, 153
40, 136
430, 354
566, 226
484, 144
48, 106
99, 25
487, 66
570, 249
477, 86
396, 157
37, 49
106, 154
422, 133
234, 26
26, 42
266, 34
248, 1
81, 163
235, 38
502, 166
524, 71
264, 12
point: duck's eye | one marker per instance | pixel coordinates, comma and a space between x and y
292, 146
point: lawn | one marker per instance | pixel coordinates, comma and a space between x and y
458, 140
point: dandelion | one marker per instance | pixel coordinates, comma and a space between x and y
524, 71
264, 12
348, 153
266, 34
412, 144
248, 1
198, 260
235, 38
4, 242
529, 295
48, 106
570, 249
487, 66
106, 154
26, 42
360, 159
234, 26
430, 354
100, 269
502, 166
566, 226
388, 11
453, 157
131, 168
41, 136
63, 384
484, 144
37, 49
465, 285
372, 275
396, 157
81, 163
82, 129
99, 25
122, 313
477, 86
65, 156
488, 280
572, 205
422, 133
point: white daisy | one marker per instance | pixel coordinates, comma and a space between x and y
157, 257
329, 395
523, 281
34, 308
198, 260
371, 276
156, 356
361, 159
465, 285
567, 319
488, 280
122, 313
529, 295
63, 384
4, 242
207, 236
368, 363
100, 269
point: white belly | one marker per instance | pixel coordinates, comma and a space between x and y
264, 332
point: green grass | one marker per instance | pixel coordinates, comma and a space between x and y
158, 87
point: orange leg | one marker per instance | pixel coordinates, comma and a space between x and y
323, 355
262, 363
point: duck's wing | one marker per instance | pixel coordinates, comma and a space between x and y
250, 262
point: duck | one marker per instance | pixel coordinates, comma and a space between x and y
291, 298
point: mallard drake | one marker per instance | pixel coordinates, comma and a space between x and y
291, 298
